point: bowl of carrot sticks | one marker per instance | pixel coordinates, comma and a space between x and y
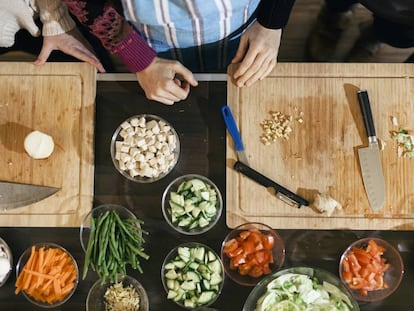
47, 275
371, 268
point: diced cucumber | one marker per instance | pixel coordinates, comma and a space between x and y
193, 205
194, 276
177, 198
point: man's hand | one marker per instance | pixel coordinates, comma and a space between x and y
257, 54
166, 81
71, 43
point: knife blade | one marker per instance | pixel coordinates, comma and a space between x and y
234, 133
369, 157
13, 195
281, 192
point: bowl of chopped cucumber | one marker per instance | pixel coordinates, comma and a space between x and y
145, 148
126, 294
192, 275
192, 204
371, 268
301, 288
251, 251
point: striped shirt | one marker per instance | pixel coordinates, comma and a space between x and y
167, 24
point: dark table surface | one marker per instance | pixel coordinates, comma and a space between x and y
202, 134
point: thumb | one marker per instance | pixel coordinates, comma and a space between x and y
186, 74
241, 50
43, 55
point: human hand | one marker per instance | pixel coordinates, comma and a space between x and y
161, 81
257, 54
71, 43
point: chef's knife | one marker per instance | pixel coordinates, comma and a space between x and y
13, 195
369, 158
235, 134
281, 192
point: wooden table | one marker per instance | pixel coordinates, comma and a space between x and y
203, 136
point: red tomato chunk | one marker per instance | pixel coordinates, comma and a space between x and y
250, 252
363, 269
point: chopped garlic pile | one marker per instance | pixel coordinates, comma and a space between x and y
146, 149
120, 298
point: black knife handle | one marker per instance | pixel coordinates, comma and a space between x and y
264, 181
365, 106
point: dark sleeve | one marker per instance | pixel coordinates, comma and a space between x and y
274, 14
105, 20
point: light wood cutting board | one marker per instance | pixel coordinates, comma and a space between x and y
58, 99
320, 155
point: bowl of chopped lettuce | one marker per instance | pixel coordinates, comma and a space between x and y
127, 294
300, 288
371, 268
192, 204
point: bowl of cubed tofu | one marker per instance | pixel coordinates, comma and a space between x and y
145, 148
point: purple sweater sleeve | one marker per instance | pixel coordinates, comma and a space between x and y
134, 52
274, 14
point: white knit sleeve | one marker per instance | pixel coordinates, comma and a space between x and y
55, 17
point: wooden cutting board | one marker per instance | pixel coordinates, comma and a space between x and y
57, 99
320, 155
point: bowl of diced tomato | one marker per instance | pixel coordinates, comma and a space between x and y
252, 251
371, 268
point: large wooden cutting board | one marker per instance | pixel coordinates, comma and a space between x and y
58, 99
321, 154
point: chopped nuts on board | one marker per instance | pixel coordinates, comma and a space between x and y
278, 126
147, 147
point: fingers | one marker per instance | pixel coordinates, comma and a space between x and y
85, 55
185, 74
258, 70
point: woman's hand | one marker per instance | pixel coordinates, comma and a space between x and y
71, 43
166, 81
257, 54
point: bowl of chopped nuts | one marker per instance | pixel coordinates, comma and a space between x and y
126, 294
145, 148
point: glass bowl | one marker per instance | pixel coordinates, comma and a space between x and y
192, 275
95, 301
23, 260
84, 230
5, 254
251, 251
358, 256
192, 204
329, 282
145, 148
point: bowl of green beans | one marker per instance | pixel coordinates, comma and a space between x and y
112, 238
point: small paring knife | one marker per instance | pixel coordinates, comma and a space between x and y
235, 134
369, 158
13, 195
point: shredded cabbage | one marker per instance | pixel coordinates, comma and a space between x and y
299, 292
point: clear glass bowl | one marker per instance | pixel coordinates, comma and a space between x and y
260, 289
392, 276
278, 253
6, 249
22, 262
172, 254
116, 137
166, 208
95, 300
84, 230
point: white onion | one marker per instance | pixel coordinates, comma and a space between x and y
39, 145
